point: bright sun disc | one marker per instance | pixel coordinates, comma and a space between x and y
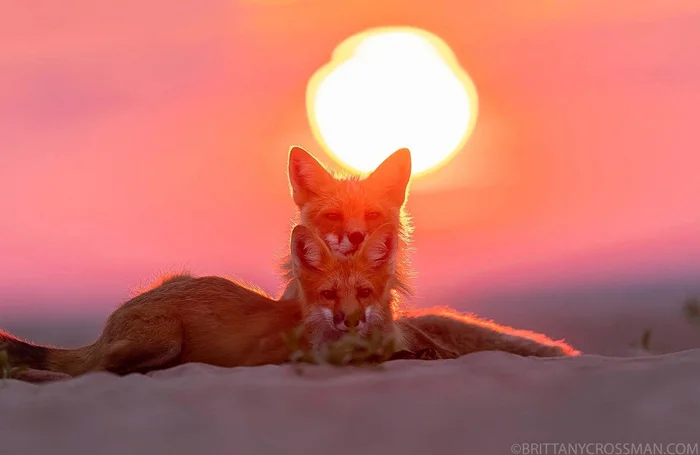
391, 88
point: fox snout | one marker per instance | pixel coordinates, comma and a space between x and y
354, 320
356, 237
347, 243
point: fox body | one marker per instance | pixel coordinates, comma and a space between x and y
344, 210
220, 322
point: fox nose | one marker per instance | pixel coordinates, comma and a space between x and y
356, 237
350, 321
338, 317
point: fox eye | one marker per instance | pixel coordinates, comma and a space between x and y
372, 215
329, 294
334, 216
363, 293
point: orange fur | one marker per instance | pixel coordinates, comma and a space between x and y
463, 334
220, 322
336, 205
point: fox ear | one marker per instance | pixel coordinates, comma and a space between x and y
306, 175
309, 252
393, 174
380, 248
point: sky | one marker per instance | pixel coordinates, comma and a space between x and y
144, 137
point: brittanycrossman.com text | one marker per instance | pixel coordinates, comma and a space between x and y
604, 448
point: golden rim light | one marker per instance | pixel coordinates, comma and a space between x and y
388, 88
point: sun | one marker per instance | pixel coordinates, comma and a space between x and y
389, 88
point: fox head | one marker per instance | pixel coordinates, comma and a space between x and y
339, 295
345, 211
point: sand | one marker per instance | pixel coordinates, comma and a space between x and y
482, 403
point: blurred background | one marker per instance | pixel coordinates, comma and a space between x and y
143, 137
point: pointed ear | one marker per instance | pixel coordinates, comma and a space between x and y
309, 252
392, 175
306, 175
380, 248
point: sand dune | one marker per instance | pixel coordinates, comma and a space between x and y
483, 403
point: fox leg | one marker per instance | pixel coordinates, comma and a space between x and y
479, 335
466, 334
127, 356
421, 345
149, 348
534, 345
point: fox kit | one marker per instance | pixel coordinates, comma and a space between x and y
216, 321
345, 210
463, 334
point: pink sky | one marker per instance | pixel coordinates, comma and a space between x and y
149, 136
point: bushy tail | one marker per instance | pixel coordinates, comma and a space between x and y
23, 354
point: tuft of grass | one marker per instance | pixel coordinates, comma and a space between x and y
7, 370
646, 340
691, 309
350, 349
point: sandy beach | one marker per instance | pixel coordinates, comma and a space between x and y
483, 403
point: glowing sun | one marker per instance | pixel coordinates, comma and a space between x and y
389, 88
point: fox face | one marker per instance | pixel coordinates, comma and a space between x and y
345, 211
340, 295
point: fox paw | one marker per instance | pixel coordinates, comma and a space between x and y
403, 355
421, 354
428, 354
